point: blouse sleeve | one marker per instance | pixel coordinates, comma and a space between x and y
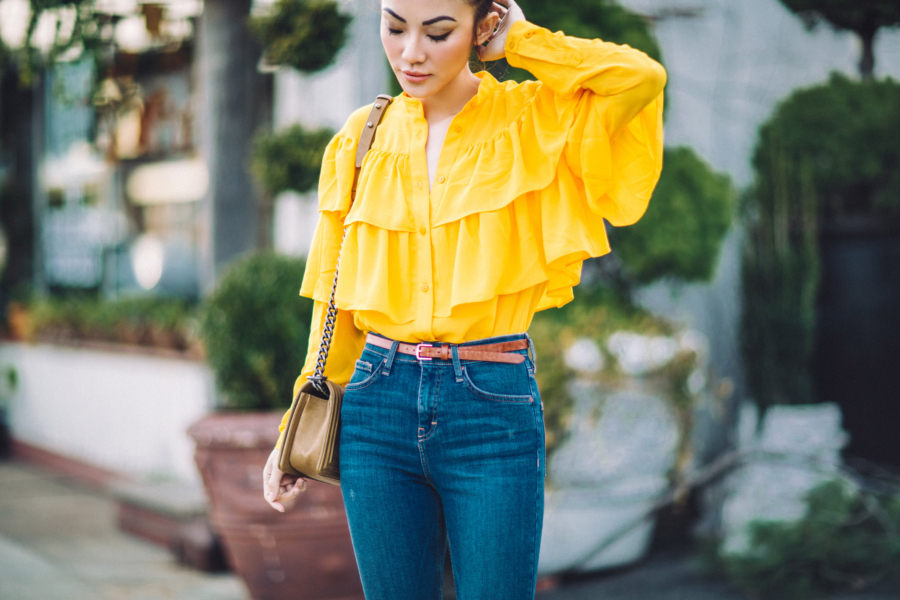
615, 95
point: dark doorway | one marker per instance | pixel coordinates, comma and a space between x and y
857, 363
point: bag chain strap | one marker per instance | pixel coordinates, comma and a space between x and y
365, 142
318, 378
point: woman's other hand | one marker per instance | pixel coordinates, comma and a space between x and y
509, 14
280, 488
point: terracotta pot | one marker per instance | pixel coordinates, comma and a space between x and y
303, 553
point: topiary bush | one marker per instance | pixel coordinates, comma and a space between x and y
290, 159
848, 132
682, 231
255, 328
303, 34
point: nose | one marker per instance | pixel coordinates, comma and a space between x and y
413, 53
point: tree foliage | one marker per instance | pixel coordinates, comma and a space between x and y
83, 29
862, 17
685, 223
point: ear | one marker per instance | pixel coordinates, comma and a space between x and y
486, 28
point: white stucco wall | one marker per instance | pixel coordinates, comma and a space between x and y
124, 412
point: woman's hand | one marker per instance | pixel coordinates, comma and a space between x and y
509, 14
279, 488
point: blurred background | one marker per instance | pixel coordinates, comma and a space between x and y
721, 398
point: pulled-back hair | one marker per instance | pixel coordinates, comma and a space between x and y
482, 7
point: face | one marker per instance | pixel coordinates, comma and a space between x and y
428, 42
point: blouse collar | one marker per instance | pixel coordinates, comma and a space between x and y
487, 85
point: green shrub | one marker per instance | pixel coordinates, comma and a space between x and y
847, 539
849, 134
685, 223
139, 320
303, 34
255, 328
290, 159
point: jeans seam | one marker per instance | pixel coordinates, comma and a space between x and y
437, 396
442, 528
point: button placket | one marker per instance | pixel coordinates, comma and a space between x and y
422, 214
425, 202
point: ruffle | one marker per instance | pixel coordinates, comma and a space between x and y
523, 208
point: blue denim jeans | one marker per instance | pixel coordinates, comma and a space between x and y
443, 451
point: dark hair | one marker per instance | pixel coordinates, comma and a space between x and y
482, 7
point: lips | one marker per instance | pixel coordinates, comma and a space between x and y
415, 76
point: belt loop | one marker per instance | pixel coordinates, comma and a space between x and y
533, 354
457, 368
390, 357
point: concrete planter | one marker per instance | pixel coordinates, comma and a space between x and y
120, 408
622, 446
796, 449
604, 480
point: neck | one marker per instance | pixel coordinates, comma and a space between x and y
451, 99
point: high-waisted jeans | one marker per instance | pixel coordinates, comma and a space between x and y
442, 451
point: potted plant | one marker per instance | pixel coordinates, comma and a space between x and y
255, 329
619, 384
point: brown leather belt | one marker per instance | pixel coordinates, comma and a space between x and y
499, 352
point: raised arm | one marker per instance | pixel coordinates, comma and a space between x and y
627, 77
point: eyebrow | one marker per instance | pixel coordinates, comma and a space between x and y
428, 22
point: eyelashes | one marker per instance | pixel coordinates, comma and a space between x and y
434, 38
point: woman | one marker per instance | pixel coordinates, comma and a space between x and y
476, 206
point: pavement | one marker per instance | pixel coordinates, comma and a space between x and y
58, 541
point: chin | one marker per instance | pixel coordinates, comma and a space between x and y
413, 90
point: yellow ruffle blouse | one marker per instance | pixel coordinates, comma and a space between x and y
527, 173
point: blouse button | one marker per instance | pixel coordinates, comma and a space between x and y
420, 185
419, 135
424, 287
441, 179
422, 230
458, 129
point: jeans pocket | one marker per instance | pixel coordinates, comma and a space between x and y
495, 381
364, 375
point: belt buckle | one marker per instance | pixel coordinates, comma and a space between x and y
419, 351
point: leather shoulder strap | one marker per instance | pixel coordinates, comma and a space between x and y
368, 134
